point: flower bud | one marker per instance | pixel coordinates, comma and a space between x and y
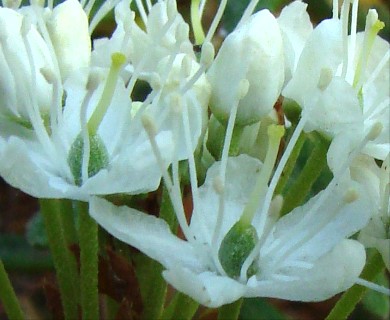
16, 79
254, 52
68, 27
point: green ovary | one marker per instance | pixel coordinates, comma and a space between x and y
98, 157
236, 247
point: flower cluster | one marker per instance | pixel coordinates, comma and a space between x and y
74, 126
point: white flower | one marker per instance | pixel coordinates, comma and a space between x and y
94, 143
253, 52
18, 41
166, 35
342, 80
303, 256
53, 164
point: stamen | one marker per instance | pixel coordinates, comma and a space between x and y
352, 43
335, 9
50, 4
92, 84
56, 107
101, 13
151, 130
197, 22
149, 4
242, 91
373, 286
33, 109
279, 170
275, 134
118, 60
286, 247
205, 61
88, 6
45, 34
218, 185
373, 26
248, 12
374, 75
345, 20
216, 20
142, 11
351, 196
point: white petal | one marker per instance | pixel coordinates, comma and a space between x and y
323, 50
68, 29
306, 235
147, 233
295, 25
24, 166
333, 273
241, 175
207, 288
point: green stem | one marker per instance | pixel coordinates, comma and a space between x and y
185, 307
292, 160
351, 298
312, 170
64, 261
230, 311
88, 235
156, 287
68, 223
8, 296
196, 22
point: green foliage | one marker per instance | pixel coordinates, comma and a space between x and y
36, 233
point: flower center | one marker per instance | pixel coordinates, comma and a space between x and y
98, 157
236, 247
88, 154
242, 238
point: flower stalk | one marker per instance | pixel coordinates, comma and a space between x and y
88, 235
8, 296
64, 261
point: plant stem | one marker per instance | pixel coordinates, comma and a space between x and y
8, 296
351, 298
88, 235
64, 261
292, 160
230, 311
156, 287
185, 307
301, 187
68, 223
